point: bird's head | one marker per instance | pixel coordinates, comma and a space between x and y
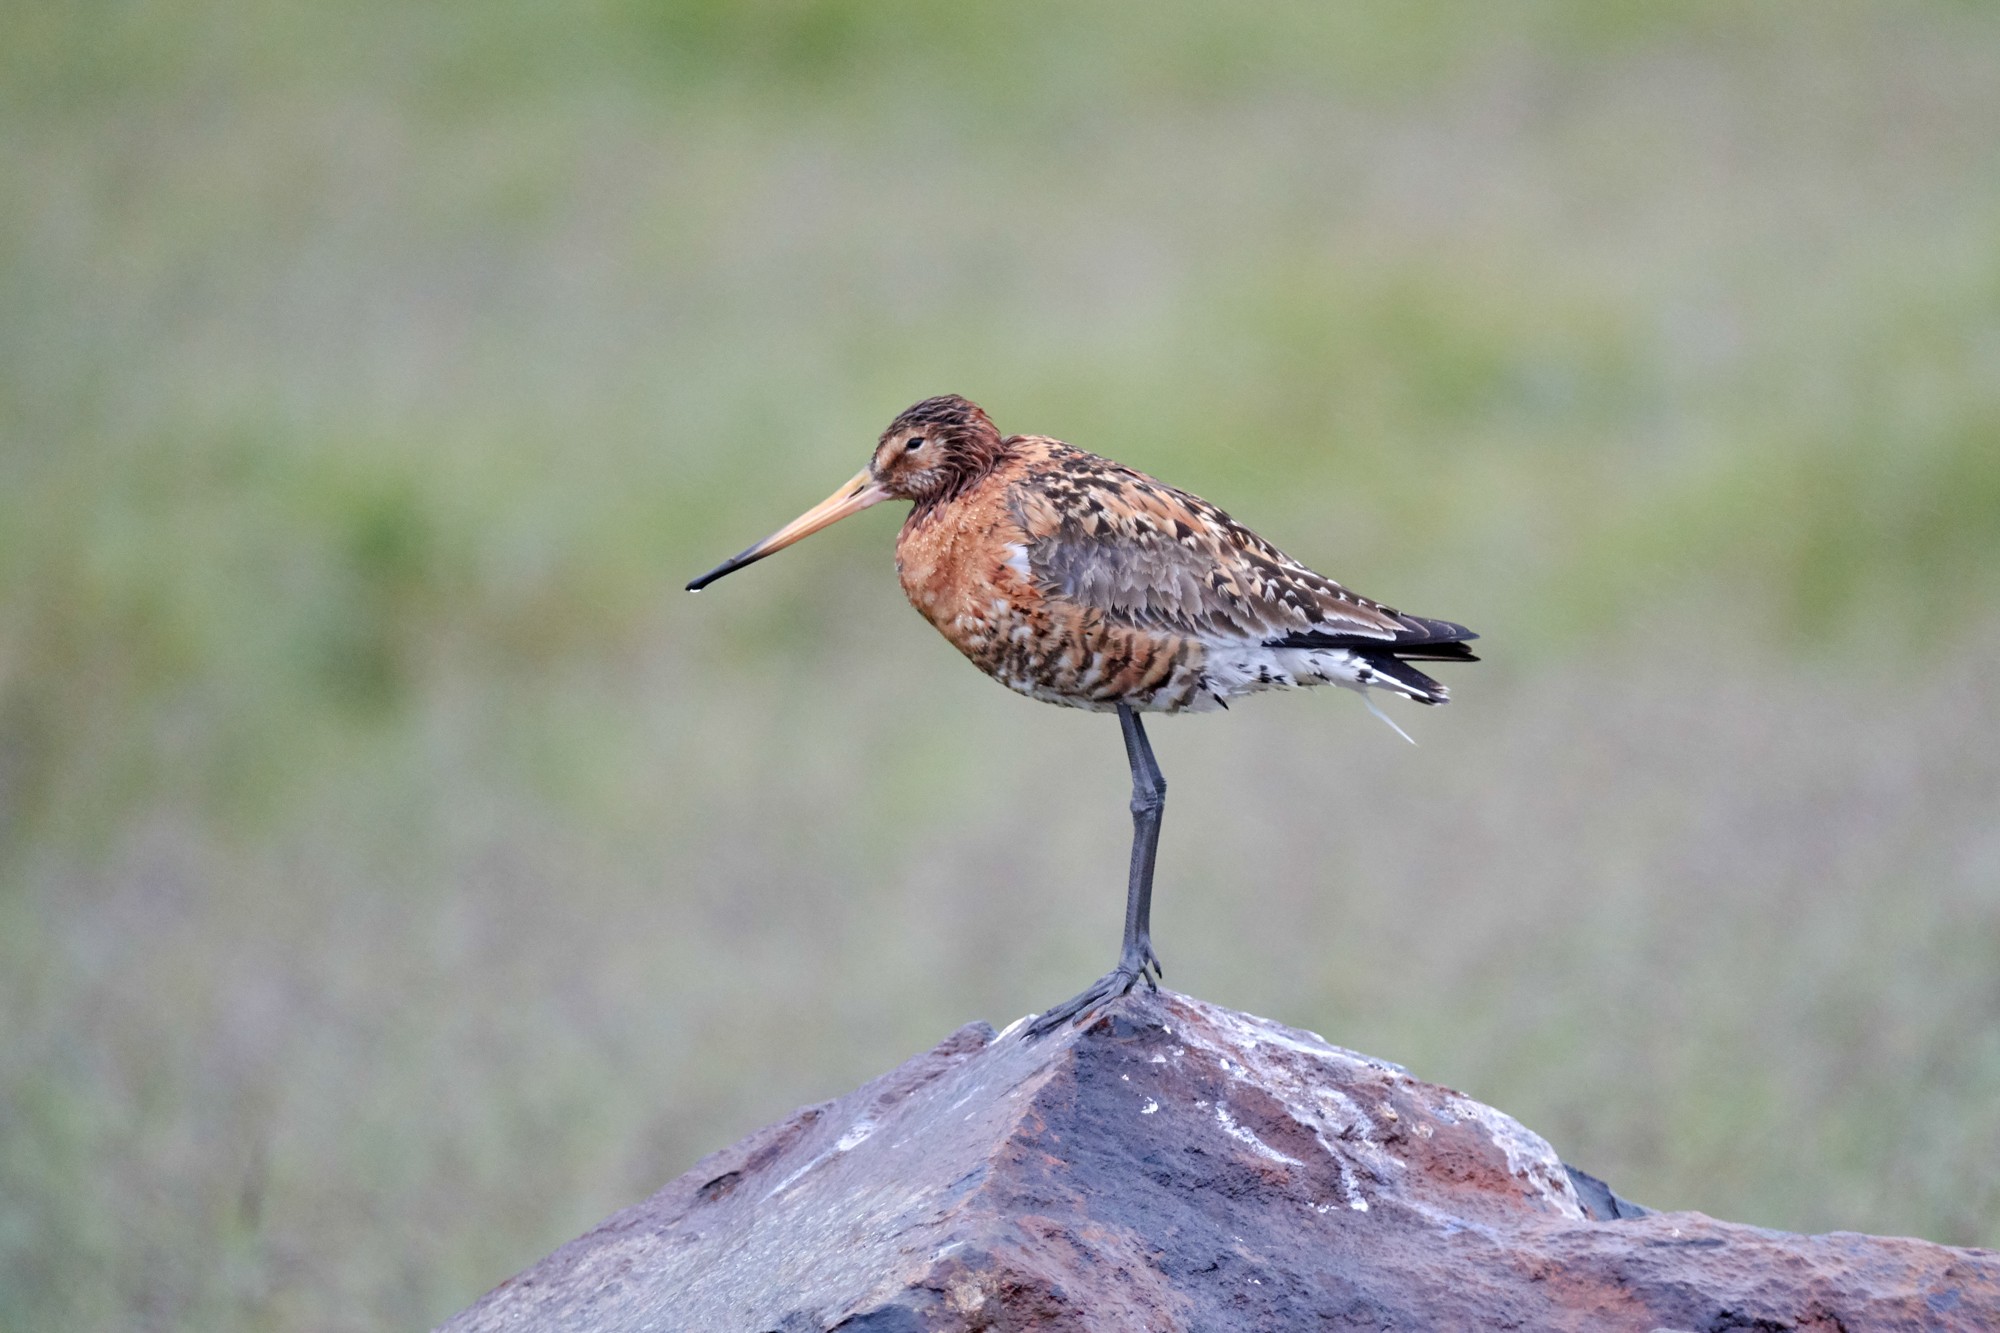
931, 450
929, 453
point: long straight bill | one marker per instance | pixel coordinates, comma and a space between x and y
859, 493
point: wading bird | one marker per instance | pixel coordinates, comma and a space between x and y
1073, 580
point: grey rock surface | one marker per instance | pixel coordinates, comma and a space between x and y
1173, 1165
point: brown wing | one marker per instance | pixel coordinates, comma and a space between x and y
1144, 554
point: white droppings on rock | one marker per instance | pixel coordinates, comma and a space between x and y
856, 1135
1244, 1136
1269, 1058
1529, 1155
1355, 1132
1250, 1035
788, 1181
1150, 1107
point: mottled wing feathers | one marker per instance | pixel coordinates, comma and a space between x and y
1135, 579
1144, 554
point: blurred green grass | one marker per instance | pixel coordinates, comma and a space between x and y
397, 873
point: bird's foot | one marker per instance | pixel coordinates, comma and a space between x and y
1108, 987
1138, 964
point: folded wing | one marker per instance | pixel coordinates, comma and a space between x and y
1144, 554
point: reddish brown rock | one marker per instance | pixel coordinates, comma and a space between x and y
1179, 1166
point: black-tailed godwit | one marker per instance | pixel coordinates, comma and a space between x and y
1073, 580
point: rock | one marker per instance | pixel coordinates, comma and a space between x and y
1175, 1165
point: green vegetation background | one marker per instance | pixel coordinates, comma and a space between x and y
398, 873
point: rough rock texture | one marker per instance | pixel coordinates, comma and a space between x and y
1174, 1165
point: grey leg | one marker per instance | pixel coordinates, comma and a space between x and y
1136, 960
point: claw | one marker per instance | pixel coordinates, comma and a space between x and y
1148, 964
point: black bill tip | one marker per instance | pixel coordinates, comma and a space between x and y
728, 566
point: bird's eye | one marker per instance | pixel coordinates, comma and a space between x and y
914, 443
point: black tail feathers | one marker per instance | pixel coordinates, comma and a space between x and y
1421, 641
1407, 679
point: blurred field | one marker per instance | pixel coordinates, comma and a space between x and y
397, 873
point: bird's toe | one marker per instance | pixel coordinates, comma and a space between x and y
1119, 981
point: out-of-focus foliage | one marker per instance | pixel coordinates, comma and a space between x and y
397, 872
